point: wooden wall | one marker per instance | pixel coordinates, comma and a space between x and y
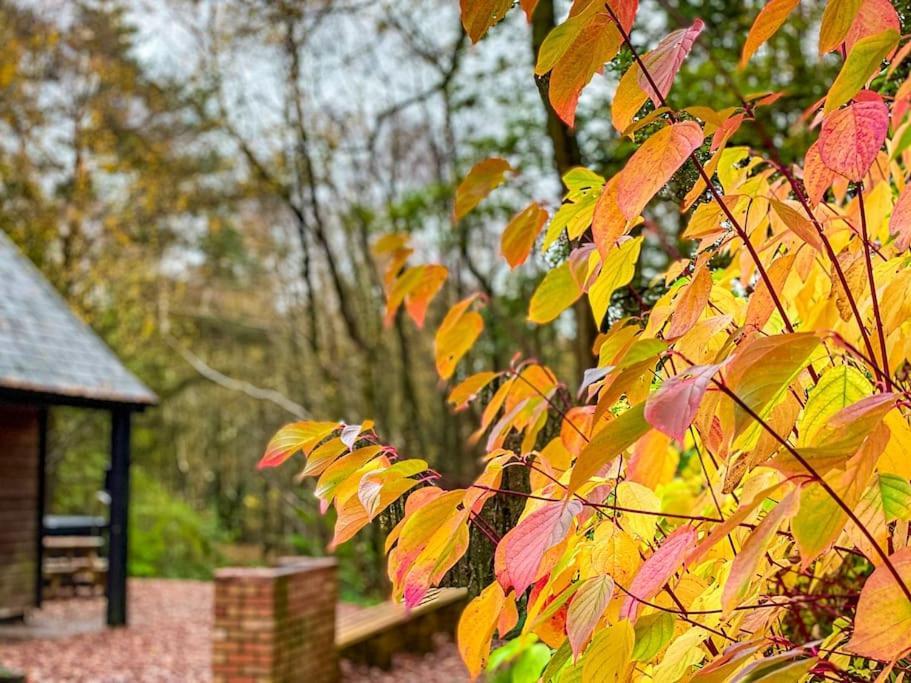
19, 486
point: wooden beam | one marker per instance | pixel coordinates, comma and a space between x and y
119, 483
39, 507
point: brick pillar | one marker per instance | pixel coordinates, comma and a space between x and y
276, 624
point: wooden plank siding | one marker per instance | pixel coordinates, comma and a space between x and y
19, 486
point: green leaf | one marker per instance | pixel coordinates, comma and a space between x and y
896, 495
864, 60
653, 631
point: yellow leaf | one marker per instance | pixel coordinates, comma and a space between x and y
476, 627
457, 333
297, 436
556, 292
616, 271
608, 658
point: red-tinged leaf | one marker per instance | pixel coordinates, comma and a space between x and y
665, 60
596, 44
864, 60
456, 335
817, 177
673, 407
767, 22
351, 518
690, 304
476, 627
746, 561
614, 438
882, 624
837, 19
294, 437
528, 6
900, 222
586, 609
521, 550
874, 16
658, 569
479, 15
519, 236
653, 164
852, 137
720, 670
483, 178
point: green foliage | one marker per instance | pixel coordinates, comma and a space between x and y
168, 538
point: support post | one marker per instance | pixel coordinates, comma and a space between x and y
41, 495
119, 483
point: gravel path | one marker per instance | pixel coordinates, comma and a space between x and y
168, 641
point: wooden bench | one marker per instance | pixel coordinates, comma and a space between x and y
372, 635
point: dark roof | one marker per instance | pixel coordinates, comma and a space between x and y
45, 349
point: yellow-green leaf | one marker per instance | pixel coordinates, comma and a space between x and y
863, 61
556, 292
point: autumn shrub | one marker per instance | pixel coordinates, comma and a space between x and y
728, 497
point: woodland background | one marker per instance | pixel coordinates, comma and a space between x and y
202, 181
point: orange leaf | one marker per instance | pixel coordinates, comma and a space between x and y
596, 44
882, 624
628, 99
690, 303
479, 15
417, 300
483, 178
653, 164
851, 137
767, 23
519, 236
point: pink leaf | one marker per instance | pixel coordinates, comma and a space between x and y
520, 551
900, 223
665, 60
673, 407
851, 137
874, 16
658, 569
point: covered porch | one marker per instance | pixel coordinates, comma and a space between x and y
50, 358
